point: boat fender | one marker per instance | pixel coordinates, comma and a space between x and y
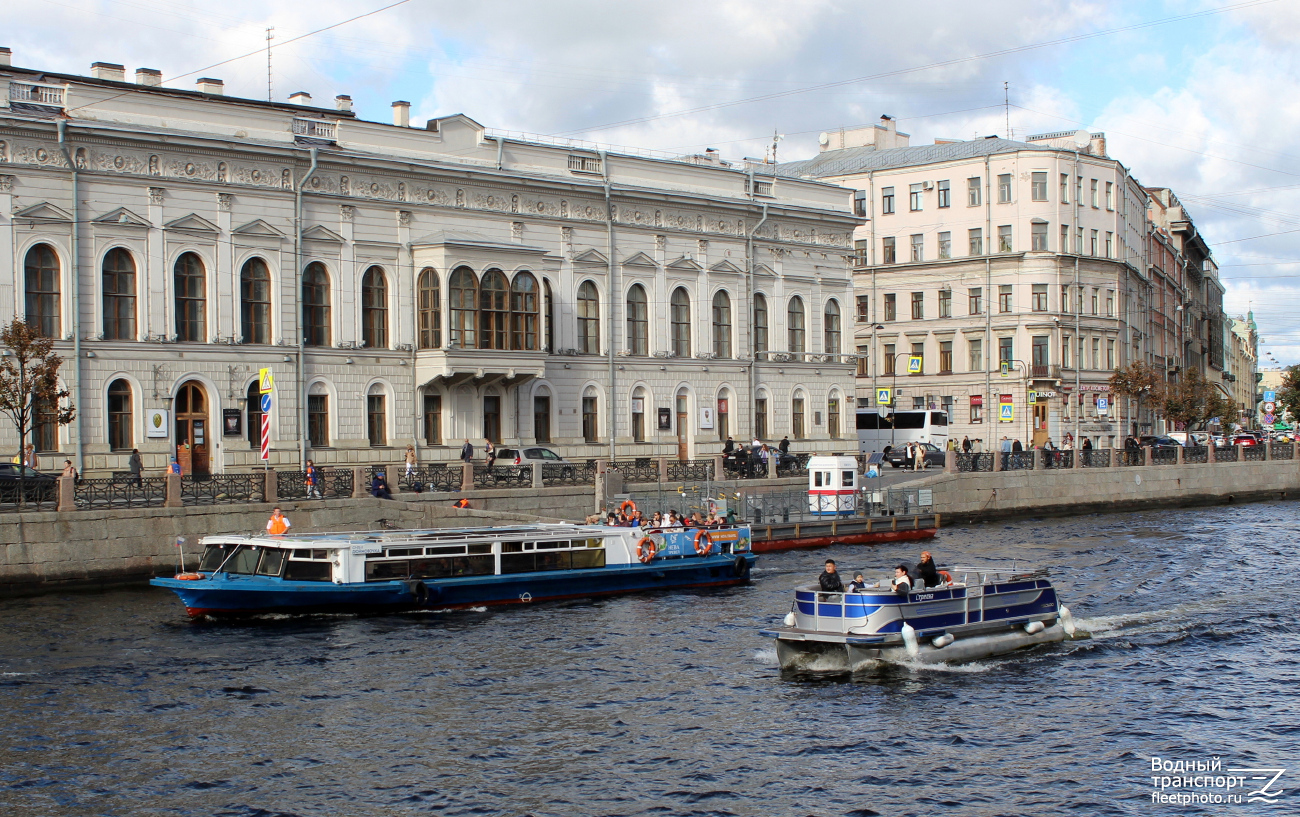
943, 641
645, 550
789, 619
909, 641
703, 542
420, 592
741, 567
1035, 627
1067, 620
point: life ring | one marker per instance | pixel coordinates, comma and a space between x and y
420, 592
190, 577
708, 542
946, 576
741, 567
645, 550
628, 505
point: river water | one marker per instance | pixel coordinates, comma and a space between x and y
114, 703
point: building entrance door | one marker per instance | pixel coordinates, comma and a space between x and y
192, 444
1040, 423
492, 419
683, 430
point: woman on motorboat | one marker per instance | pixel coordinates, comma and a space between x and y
902, 583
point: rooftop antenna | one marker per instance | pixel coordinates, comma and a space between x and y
1006, 106
269, 36
776, 137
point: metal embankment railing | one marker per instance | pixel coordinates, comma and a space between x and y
223, 489
119, 492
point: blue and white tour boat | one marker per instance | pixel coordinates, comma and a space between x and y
452, 567
980, 612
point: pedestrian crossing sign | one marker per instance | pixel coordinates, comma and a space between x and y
914, 364
265, 382
1008, 412
884, 397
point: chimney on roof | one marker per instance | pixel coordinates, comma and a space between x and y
148, 76
108, 70
402, 114
208, 85
343, 102
299, 98
6, 56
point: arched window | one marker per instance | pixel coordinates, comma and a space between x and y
638, 415
119, 295
549, 307
494, 308
760, 325
523, 312
316, 305
462, 291
41, 269
638, 322
190, 282
721, 324
680, 318
254, 403
255, 301
797, 407
430, 310
588, 319
318, 415
831, 327
377, 416
794, 325
833, 415
590, 416
374, 308
120, 426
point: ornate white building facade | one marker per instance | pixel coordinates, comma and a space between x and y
406, 285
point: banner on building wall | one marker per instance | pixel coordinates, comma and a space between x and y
155, 424
665, 419
706, 417
232, 423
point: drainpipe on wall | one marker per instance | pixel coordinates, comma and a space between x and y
610, 410
1078, 312
753, 353
75, 293
417, 409
988, 307
302, 337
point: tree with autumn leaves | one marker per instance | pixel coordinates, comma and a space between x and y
1188, 402
29, 381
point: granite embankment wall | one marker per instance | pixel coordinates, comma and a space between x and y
972, 497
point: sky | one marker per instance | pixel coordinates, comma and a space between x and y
1202, 96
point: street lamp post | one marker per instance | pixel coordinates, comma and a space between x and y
893, 396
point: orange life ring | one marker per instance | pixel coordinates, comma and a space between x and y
708, 542
946, 576
645, 550
190, 577
626, 506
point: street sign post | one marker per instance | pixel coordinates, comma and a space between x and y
914, 364
884, 397
1270, 397
266, 385
1269, 407
1270, 418
1103, 405
1006, 409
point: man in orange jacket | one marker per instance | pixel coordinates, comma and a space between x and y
278, 524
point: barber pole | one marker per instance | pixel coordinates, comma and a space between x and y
266, 436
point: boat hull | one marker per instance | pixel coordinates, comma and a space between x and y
226, 595
825, 657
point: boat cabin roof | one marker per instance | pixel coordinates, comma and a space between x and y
346, 539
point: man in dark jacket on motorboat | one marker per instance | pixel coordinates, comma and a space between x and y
829, 579
927, 575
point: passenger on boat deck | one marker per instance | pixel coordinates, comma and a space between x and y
902, 583
858, 584
829, 579
927, 575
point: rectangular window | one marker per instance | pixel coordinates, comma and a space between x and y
833, 418
1078, 191
1110, 245
976, 355
1065, 351
1110, 354
1006, 351
887, 250
918, 350
1004, 298
918, 247
638, 419
864, 308
918, 402
890, 357
1110, 303
977, 409
1039, 185
1040, 355
860, 252
918, 306
1004, 238
946, 401
1065, 238
976, 300
1082, 360
376, 424
976, 241
1096, 297
796, 418
1065, 188
120, 436
945, 303
1038, 236
886, 200
859, 202
1065, 297
760, 418
433, 419
590, 431
864, 361
1110, 195
891, 306
1040, 298
1004, 188
945, 194
1092, 245
1096, 353
318, 420
541, 418
945, 357
914, 198
945, 245
1093, 189
1078, 241
973, 191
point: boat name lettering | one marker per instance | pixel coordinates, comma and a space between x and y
926, 597
361, 550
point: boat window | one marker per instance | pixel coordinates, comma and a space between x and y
214, 556
591, 543
484, 548
311, 554
817, 479
272, 562
449, 550
307, 571
588, 558
512, 547
530, 545
555, 560
405, 551
847, 477
553, 545
243, 562
453, 566
378, 571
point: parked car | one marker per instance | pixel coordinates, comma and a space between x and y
34, 485
1161, 441
1244, 439
934, 455
528, 455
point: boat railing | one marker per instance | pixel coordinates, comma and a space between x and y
986, 574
